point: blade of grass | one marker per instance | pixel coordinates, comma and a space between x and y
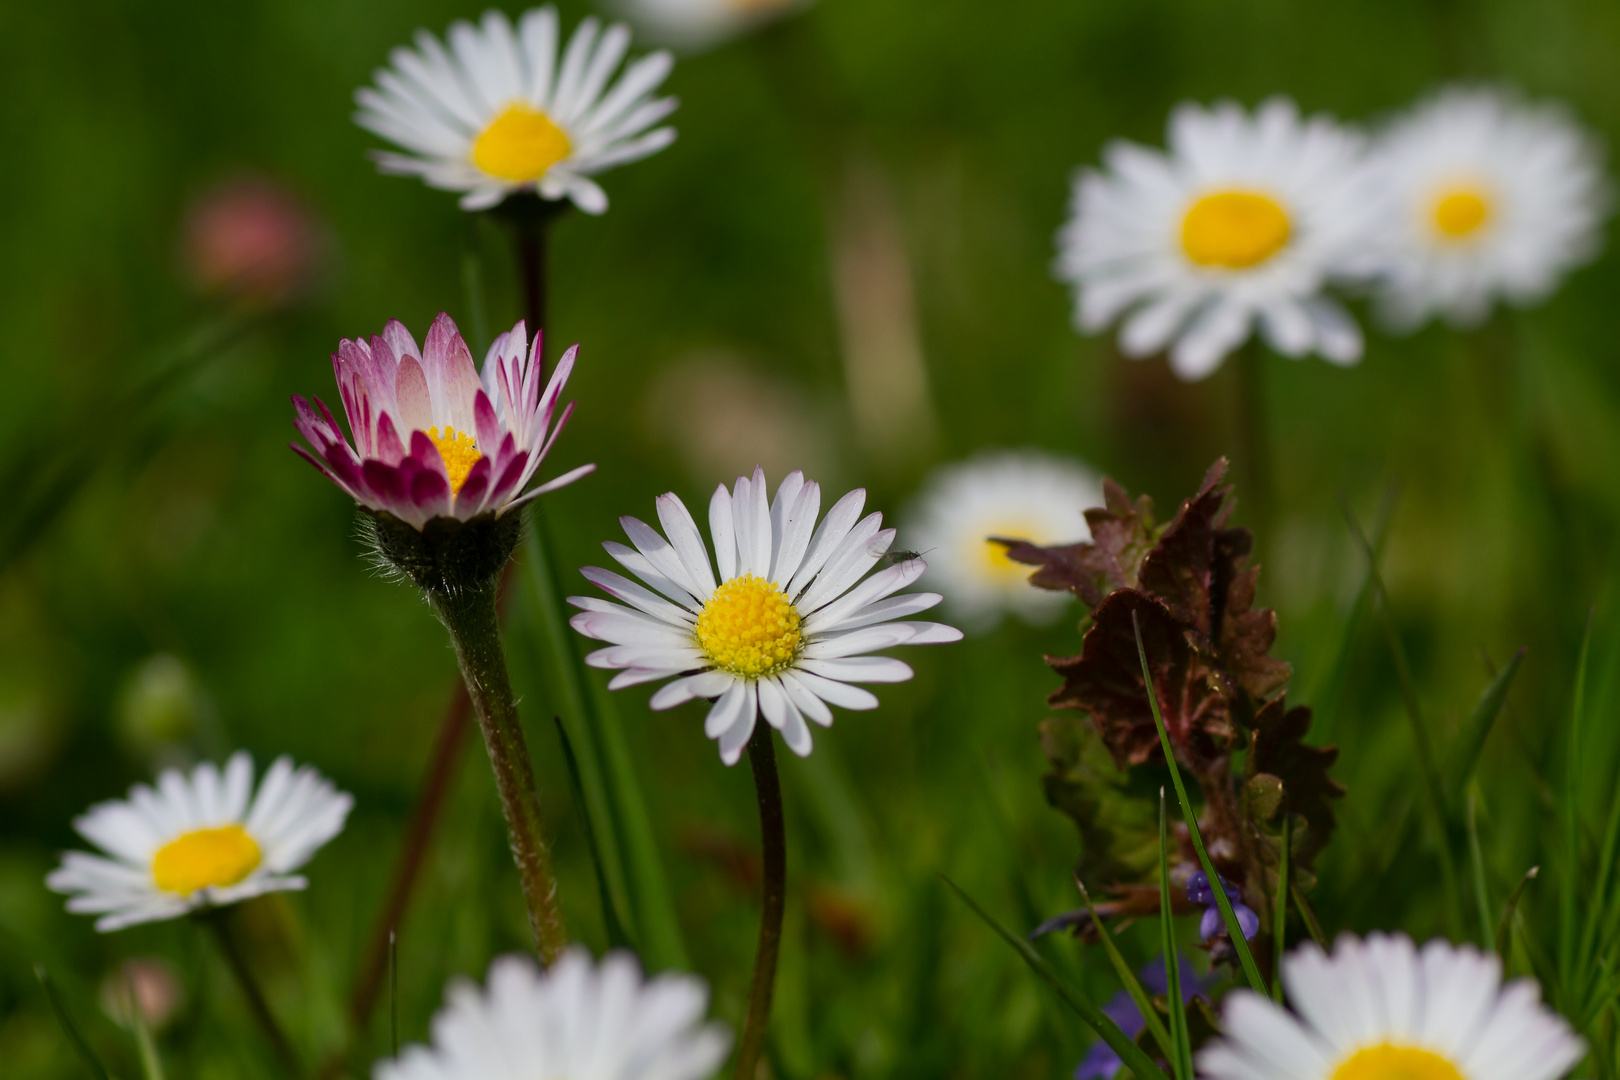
617, 938
1279, 908
1508, 909
1571, 970
1303, 906
1132, 1055
69, 1028
393, 993
1181, 1054
1471, 739
1476, 860
1250, 969
145, 1049
1433, 795
1133, 986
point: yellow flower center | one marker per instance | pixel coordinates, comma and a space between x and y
749, 628
1234, 230
1460, 212
459, 451
992, 559
205, 857
1388, 1062
520, 145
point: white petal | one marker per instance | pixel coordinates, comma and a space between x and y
723, 531
870, 669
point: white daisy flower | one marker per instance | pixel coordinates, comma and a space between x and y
498, 112
1242, 222
200, 841
1379, 1008
697, 24
785, 627
1486, 197
575, 1021
1021, 494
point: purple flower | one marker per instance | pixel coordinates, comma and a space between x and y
1100, 1062
1199, 892
432, 438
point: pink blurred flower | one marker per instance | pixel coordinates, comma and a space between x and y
252, 238
152, 984
430, 438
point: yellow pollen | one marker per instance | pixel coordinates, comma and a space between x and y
205, 857
1234, 230
459, 451
992, 557
1460, 212
520, 145
1388, 1062
749, 628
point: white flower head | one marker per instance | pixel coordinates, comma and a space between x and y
1242, 222
1025, 495
1381, 1008
1486, 198
499, 111
692, 25
578, 1020
785, 627
203, 840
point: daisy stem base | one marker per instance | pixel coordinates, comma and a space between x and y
219, 922
773, 850
469, 615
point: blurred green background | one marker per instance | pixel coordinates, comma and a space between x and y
872, 182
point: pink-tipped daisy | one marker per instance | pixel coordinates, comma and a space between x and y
785, 626
432, 439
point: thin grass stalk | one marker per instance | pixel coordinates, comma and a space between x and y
1133, 986
1504, 927
1180, 1051
393, 994
1279, 908
1303, 906
1476, 859
69, 1028
1433, 793
145, 1049
1254, 433
1234, 930
219, 922
1141, 1066
617, 937
773, 898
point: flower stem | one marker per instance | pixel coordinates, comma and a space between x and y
773, 850
1255, 434
469, 615
219, 921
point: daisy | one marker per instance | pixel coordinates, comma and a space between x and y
1380, 1008
786, 629
697, 24
1486, 197
1026, 494
200, 841
432, 439
1242, 223
577, 1020
498, 112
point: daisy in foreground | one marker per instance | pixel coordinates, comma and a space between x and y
1380, 1008
697, 24
431, 437
1242, 223
500, 112
1487, 197
782, 630
1039, 497
577, 1020
199, 841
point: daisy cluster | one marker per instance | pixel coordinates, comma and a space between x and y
1248, 221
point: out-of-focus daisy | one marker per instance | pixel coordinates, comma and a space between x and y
575, 1021
432, 439
1380, 1008
1242, 223
1486, 197
697, 24
499, 111
783, 629
1026, 494
197, 841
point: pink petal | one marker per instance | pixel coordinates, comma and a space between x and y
451, 378
470, 499
400, 340
487, 428
411, 392
388, 446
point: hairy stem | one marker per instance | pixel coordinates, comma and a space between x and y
219, 921
773, 849
469, 615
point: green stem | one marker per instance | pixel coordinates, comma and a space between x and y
773, 849
219, 921
1254, 433
469, 615
1279, 909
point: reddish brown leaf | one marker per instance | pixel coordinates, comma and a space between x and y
1276, 747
